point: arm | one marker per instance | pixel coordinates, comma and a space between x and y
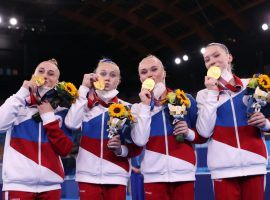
60, 142
193, 135
207, 103
267, 126
76, 112
9, 110
188, 127
133, 150
128, 150
140, 130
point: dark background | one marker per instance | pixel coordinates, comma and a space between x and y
79, 32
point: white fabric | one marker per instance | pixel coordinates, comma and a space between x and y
223, 160
141, 129
106, 96
43, 89
158, 90
101, 171
15, 177
226, 75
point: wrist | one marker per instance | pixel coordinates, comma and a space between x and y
266, 127
122, 151
118, 151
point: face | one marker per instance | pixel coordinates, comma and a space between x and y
151, 68
49, 72
215, 55
111, 75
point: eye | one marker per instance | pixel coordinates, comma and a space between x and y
206, 59
113, 75
154, 69
143, 72
102, 73
51, 73
40, 71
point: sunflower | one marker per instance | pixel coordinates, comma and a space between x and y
117, 110
264, 82
71, 89
182, 98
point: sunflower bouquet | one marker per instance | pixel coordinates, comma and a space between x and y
120, 116
63, 95
258, 91
178, 103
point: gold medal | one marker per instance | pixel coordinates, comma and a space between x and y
148, 84
39, 80
214, 72
100, 84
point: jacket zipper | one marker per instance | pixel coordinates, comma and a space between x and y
39, 151
235, 123
236, 131
101, 145
166, 143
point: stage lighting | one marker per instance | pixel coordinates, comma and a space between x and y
203, 50
13, 21
185, 58
177, 61
265, 27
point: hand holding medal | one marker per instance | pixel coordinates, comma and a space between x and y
38, 80
99, 84
214, 72
147, 87
211, 80
148, 84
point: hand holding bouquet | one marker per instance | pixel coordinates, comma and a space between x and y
63, 95
178, 104
258, 91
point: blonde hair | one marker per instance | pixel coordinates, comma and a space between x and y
53, 61
151, 56
222, 46
107, 60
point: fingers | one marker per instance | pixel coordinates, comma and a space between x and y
30, 85
88, 79
93, 77
115, 142
145, 96
211, 83
257, 119
44, 107
181, 127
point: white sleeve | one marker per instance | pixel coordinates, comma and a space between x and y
190, 136
207, 102
74, 117
266, 128
124, 151
9, 110
141, 128
48, 117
